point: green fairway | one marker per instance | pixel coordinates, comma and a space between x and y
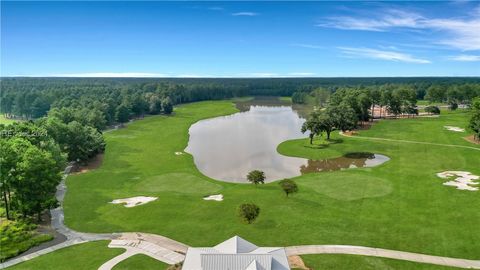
349, 262
82, 256
140, 261
400, 205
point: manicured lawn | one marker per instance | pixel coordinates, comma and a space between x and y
82, 256
350, 262
140, 262
428, 103
425, 129
399, 205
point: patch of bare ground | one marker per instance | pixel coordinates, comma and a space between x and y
296, 262
92, 164
471, 139
350, 133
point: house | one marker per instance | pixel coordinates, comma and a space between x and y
236, 253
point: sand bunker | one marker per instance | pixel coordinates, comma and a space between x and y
134, 201
456, 129
463, 180
218, 197
178, 153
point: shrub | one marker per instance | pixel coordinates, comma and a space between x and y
17, 237
248, 212
288, 186
256, 177
432, 109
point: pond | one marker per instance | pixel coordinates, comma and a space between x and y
228, 147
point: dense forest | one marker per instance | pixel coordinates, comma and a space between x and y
103, 101
66, 117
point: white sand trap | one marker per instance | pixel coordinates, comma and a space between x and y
178, 153
463, 180
217, 197
456, 129
134, 201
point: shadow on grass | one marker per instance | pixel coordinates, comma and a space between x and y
323, 143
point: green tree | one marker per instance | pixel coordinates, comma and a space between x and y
343, 117
36, 181
299, 97
248, 212
256, 177
39, 107
122, 113
313, 125
83, 142
321, 96
432, 109
167, 105
154, 103
8, 163
436, 93
364, 103
394, 104
288, 186
376, 97
474, 123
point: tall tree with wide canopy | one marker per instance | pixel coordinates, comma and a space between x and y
312, 125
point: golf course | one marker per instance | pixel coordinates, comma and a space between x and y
399, 205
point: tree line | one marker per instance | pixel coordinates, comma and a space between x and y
349, 107
70, 114
106, 101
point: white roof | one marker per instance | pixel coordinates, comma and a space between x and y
236, 253
235, 245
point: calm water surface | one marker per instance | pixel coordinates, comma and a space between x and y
228, 147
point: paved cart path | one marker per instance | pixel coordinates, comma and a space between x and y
171, 251
407, 141
72, 237
384, 253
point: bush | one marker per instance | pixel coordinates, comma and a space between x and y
248, 212
432, 109
288, 186
17, 237
256, 177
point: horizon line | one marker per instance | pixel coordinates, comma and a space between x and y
243, 77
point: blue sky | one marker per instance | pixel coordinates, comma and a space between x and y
240, 39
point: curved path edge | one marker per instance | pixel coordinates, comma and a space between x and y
383, 253
407, 141
57, 216
171, 251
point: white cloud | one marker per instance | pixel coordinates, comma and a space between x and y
309, 46
245, 13
465, 35
465, 58
163, 75
260, 75
460, 33
107, 74
381, 54
301, 74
